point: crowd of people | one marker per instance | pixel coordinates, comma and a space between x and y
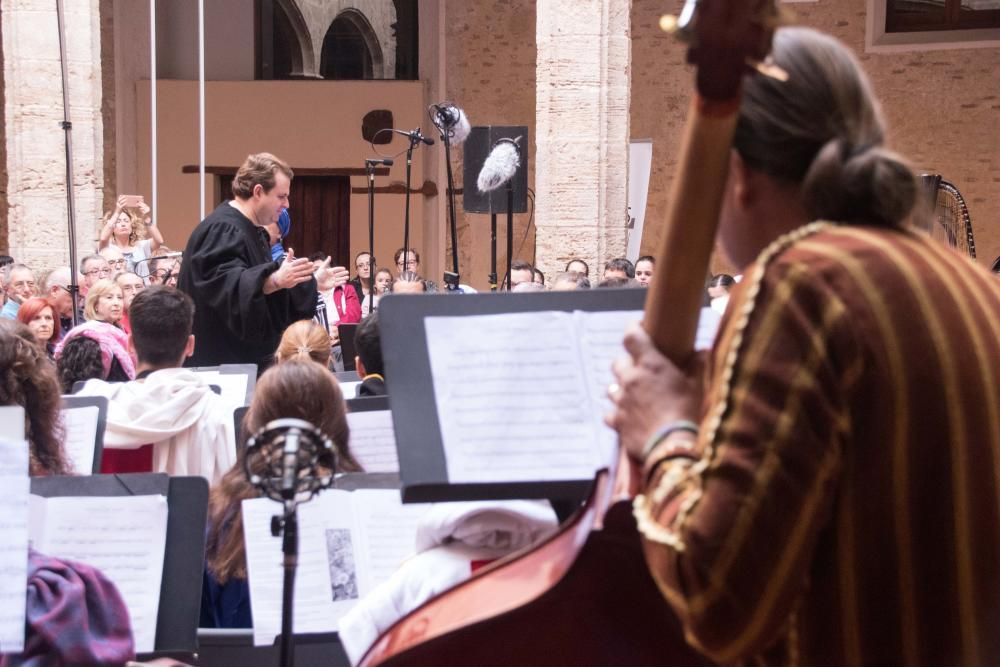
822, 487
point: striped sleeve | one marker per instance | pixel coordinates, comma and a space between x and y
729, 537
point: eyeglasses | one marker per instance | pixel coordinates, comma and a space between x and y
21, 284
98, 272
130, 289
363, 265
412, 264
117, 263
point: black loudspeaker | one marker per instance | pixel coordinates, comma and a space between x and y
474, 152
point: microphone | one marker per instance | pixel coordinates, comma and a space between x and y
450, 119
283, 460
373, 161
500, 165
415, 136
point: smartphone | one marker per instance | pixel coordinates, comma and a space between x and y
133, 201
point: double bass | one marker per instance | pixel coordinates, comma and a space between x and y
585, 596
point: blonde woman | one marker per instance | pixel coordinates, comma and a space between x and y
304, 340
105, 303
126, 229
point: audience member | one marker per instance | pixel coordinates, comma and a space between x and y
521, 272
29, 380
297, 389
243, 299
618, 267
368, 361
92, 268
616, 282
115, 258
20, 287
168, 419
362, 282
339, 296
383, 283
538, 276
409, 282
718, 291
276, 232
304, 340
164, 269
412, 261
92, 350
578, 266
126, 229
570, 280
105, 303
57, 290
529, 287
39, 314
644, 270
130, 284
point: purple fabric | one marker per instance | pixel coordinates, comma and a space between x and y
75, 616
113, 342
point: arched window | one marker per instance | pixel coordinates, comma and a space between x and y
351, 49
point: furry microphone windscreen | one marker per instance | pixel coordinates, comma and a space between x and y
500, 166
462, 128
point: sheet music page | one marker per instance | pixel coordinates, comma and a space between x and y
81, 437
601, 335
14, 545
350, 389
122, 536
12, 422
512, 399
315, 610
373, 441
233, 386
387, 532
708, 326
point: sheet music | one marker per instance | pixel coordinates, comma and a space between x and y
314, 607
12, 422
81, 437
14, 545
350, 389
708, 326
512, 399
388, 533
233, 386
122, 536
373, 441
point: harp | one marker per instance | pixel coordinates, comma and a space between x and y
949, 221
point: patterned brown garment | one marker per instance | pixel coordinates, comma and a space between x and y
844, 506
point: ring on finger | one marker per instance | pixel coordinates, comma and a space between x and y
614, 390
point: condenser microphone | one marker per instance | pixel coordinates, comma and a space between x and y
500, 165
383, 161
451, 120
283, 460
415, 135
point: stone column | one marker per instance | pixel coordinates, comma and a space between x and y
36, 162
582, 131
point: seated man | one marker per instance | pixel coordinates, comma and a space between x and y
521, 272
20, 287
368, 361
57, 291
172, 408
619, 268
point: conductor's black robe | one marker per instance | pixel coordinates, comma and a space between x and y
225, 264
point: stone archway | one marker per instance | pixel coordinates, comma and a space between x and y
304, 62
354, 32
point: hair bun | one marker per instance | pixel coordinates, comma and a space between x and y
867, 185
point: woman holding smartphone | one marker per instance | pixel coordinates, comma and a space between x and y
126, 229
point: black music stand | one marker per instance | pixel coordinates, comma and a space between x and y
422, 466
347, 349
101, 403
184, 560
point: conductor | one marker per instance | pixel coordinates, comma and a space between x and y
243, 299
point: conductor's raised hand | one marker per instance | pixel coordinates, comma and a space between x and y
650, 391
339, 275
293, 271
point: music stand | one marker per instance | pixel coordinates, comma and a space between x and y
348, 351
422, 464
184, 560
101, 403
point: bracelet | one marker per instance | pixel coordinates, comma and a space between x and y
666, 432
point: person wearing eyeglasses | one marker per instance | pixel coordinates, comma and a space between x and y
412, 263
19, 288
116, 260
93, 268
130, 284
57, 292
362, 282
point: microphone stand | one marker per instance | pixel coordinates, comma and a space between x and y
406, 219
370, 170
510, 228
493, 252
451, 279
67, 126
287, 525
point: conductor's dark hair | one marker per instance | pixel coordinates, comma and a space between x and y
822, 130
259, 169
586, 268
621, 264
368, 345
161, 319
